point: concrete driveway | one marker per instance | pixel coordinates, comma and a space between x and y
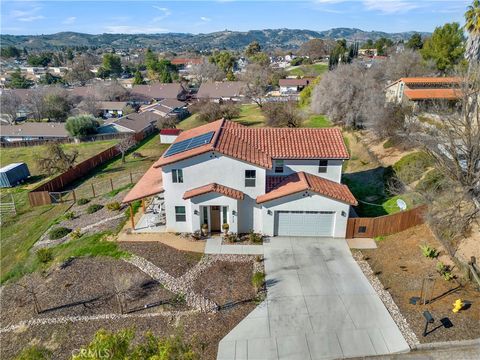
319, 306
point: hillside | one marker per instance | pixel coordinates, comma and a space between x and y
232, 40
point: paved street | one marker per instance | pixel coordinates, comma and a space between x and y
319, 306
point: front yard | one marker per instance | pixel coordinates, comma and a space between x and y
401, 268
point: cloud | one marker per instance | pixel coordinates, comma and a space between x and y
391, 6
127, 29
69, 20
205, 19
165, 12
27, 15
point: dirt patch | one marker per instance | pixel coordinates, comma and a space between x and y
400, 266
226, 283
175, 241
86, 287
173, 261
387, 156
204, 330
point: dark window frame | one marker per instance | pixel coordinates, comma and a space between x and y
177, 176
279, 169
250, 181
179, 216
322, 166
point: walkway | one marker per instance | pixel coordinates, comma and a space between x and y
319, 306
215, 246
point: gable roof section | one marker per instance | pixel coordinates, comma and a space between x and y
26, 129
302, 181
261, 145
295, 82
214, 187
138, 121
431, 80
157, 91
220, 89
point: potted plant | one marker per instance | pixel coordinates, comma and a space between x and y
205, 229
225, 228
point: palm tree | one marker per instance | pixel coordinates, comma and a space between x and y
472, 25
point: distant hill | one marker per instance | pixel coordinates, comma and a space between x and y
231, 40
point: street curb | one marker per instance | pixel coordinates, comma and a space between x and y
446, 344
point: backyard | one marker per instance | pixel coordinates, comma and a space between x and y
311, 70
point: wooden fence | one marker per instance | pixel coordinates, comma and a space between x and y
385, 225
41, 194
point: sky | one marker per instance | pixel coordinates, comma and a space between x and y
118, 16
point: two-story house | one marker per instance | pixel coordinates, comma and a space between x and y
277, 181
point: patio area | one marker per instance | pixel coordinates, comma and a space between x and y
153, 218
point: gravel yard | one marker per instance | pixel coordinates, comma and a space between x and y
400, 266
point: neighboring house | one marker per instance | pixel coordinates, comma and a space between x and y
168, 136
221, 90
277, 181
416, 90
33, 131
147, 93
111, 108
293, 86
136, 123
168, 108
185, 64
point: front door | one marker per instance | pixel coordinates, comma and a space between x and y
214, 218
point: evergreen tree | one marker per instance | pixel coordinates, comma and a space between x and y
18, 81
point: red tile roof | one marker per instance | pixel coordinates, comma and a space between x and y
431, 80
214, 187
302, 181
424, 94
260, 145
184, 61
149, 184
170, 131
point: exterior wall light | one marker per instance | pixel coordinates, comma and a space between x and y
269, 212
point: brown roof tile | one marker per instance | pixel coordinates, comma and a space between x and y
214, 187
302, 181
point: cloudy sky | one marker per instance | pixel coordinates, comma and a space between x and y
94, 17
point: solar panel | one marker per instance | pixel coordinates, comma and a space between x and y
188, 144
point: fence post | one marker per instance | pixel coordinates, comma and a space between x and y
93, 190
131, 178
74, 196
111, 183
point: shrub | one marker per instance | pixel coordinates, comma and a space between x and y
230, 238
94, 208
82, 201
58, 233
70, 215
196, 235
34, 352
388, 144
258, 279
428, 251
433, 180
445, 271
411, 165
113, 206
44, 255
76, 234
81, 125
225, 227
255, 238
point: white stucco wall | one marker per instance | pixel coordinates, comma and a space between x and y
214, 199
209, 168
167, 139
306, 201
334, 169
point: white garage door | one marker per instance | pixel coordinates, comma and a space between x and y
304, 223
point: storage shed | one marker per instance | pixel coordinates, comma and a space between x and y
13, 174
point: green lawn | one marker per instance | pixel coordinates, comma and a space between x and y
312, 70
317, 121
29, 153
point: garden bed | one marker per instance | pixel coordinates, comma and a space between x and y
173, 261
243, 239
400, 266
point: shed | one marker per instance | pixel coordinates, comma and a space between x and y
168, 136
13, 174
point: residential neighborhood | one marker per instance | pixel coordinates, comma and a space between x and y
240, 180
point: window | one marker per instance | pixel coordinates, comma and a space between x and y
224, 214
205, 215
250, 176
322, 166
177, 175
279, 166
180, 215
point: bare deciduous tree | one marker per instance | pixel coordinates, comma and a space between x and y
89, 105
207, 71
111, 91
35, 103
10, 105
407, 63
55, 159
126, 144
210, 111
256, 78
284, 114
167, 122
